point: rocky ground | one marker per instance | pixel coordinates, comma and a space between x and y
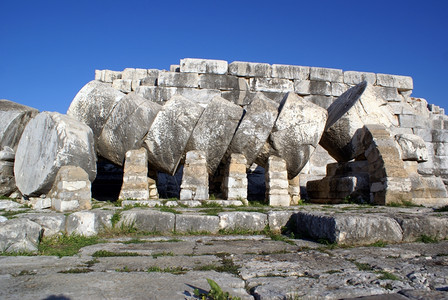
247, 266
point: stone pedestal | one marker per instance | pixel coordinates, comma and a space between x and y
277, 182
294, 190
135, 178
195, 177
71, 190
7, 181
234, 185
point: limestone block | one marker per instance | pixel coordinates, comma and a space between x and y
279, 219
296, 133
82, 223
401, 108
341, 139
148, 220
148, 81
186, 223
107, 76
123, 85
325, 74
278, 85
234, 185
209, 66
416, 226
134, 74
424, 133
413, 121
135, 176
412, 147
174, 79
290, 72
7, 181
349, 229
254, 128
8, 204
294, 190
320, 88
38, 203
235, 220
170, 132
240, 96
441, 149
277, 182
71, 190
322, 101
93, 105
126, 127
218, 82
440, 136
175, 68
403, 83
338, 88
353, 77
13, 119
195, 177
302, 87
52, 223
17, 235
389, 94
249, 69
49, 142
214, 131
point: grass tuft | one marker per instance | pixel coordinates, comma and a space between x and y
65, 245
105, 253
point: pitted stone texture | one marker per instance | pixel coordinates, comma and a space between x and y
412, 147
214, 131
71, 190
325, 74
277, 182
248, 69
349, 229
195, 177
290, 72
18, 235
208, 66
234, 185
295, 135
242, 95
13, 119
176, 79
242, 220
414, 227
93, 105
170, 132
353, 77
279, 219
277, 85
341, 139
302, 87
148, 220
126, 127
88, 223
52, 223
403, 83
428, 190
186, 223
49, 142
135, 177
254, 128
219, 82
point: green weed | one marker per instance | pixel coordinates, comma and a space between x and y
215, 293
76, 271
65, 245
427, 239
387, 276
155, 255
105, 253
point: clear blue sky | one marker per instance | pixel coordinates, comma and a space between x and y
50, 49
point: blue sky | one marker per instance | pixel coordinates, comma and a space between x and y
50, 49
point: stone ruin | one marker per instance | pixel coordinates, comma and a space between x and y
240, 130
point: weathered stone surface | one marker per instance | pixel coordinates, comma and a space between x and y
277, 85
428, 190
49, 142
242, 220
302, 87
52, 223
234, 184
170, 132
240, 96
135, 177
186, 223
82, 223
320, 100
338, 88
7, 181
71, 190
93, 105
39, 203
290, 72
148, 220
19, 235
134, 74
349, 229
320, 88
388, 94
13, 119
8, 204
195, 177
214, 131
126, 127
209, 66
249, 69
403, 83
294, 190
412, 147
295, 134
414, 227
107, 75
279, 219
218, 82
353, 77
176, 79
277, 182
340, 139
325, 74
254, 128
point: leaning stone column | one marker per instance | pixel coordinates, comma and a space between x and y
135, 178
195, 177
234, 185
294, 190
277, 182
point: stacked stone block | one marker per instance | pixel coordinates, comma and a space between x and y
7, 181
234, 185
277, 182
195, 177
